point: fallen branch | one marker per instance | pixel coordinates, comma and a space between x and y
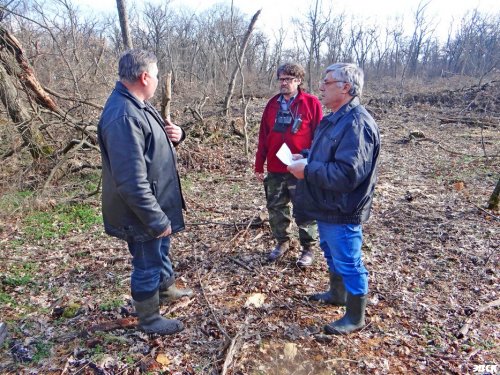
72, 99
111, 325
59, 165
486, 212
341, 359
467, 121
221, 329
250, 223
233, 348
465, 328
240, 263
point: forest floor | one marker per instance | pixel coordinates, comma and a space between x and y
431, 248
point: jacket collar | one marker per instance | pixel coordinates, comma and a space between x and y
122, 89
298, 97
346, 108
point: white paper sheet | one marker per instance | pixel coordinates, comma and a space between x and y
285, 155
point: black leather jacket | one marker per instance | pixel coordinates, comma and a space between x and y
141, 192
339, 179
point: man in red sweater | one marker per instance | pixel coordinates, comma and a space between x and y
289, 117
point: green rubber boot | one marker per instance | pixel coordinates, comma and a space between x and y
170, 293
150, 320
336, 295
354, 318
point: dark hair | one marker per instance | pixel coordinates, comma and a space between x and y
294, 70
134, 62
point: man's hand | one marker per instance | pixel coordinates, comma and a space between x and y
174, 132
297, 169
259, 176
167, 232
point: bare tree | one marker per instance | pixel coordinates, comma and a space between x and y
475, 47
423, 29
313, 35
240, 56
121, 5
362, 39
335, 39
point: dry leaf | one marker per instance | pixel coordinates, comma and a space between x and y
459, 185
163, 359
256, 300
290, 350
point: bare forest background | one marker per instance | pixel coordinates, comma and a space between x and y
431, 246
59, 64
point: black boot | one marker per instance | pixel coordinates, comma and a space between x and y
170, 293
336, 295
278, 251
353, 319
150, 320
306, 257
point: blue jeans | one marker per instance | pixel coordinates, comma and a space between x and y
341, 245
151, 266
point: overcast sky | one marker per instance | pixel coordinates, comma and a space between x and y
276, 13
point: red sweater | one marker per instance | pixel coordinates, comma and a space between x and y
270, 141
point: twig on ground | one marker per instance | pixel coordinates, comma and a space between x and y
465, 328
233, 348
246, 229
240, 263
486, 212
112, 325
341, 359
221, 329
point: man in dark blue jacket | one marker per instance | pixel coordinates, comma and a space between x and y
336, 189
141, 194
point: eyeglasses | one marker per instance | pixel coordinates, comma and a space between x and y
327, 83
286, 79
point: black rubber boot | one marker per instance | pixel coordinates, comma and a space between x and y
171, 293
150, 320
337, 294
278, 251
353, 319
306, 257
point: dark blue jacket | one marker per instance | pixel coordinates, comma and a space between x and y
339, 178
141, 192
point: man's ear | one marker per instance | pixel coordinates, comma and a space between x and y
142, 78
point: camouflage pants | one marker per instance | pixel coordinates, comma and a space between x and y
280, 192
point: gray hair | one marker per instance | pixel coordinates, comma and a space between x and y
134, 62
349, 73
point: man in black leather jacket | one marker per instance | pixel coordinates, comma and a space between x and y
336, 188
142, 201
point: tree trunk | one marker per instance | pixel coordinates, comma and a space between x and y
166, 97
29, 133
493, 201
13, 63
230, 89
122, 15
